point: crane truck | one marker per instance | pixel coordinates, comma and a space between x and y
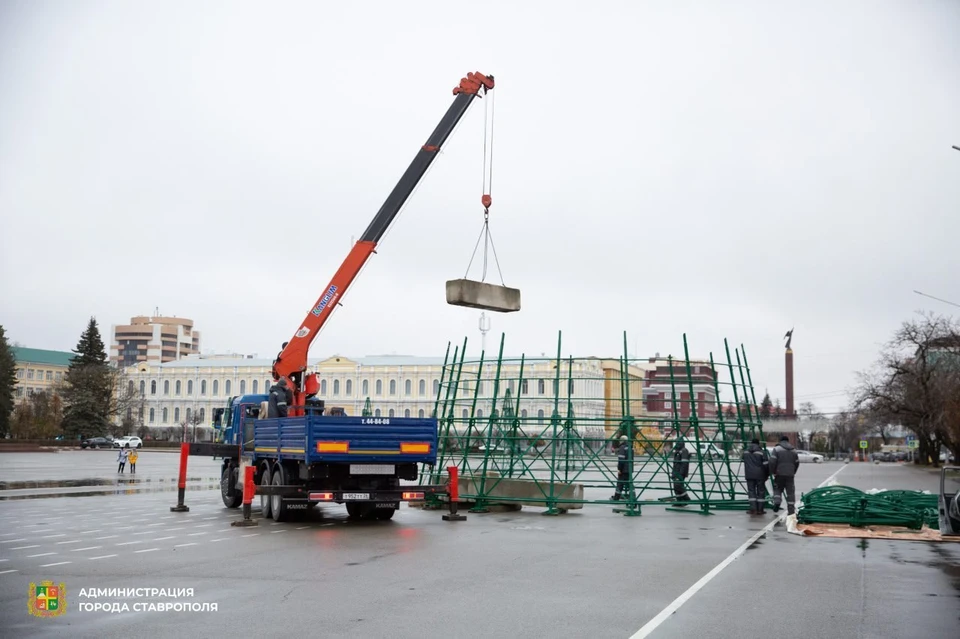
309, 457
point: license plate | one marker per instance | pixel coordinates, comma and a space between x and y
372, 469
356, 496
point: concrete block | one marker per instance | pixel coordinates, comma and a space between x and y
489, 297
507, 491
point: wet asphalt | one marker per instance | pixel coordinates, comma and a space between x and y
588, 573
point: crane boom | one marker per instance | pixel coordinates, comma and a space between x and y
292, 360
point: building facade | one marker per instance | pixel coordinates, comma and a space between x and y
39, 370
667, 388
153, 340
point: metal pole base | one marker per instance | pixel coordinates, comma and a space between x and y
246, 521
454, 517
179, 509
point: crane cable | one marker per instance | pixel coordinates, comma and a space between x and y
487, 188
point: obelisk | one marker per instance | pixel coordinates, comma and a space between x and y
788, 362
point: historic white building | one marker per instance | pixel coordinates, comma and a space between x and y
172, 393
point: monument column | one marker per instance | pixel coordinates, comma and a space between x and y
788, 362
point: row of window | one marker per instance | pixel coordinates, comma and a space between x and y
39, 374
165, 415
465, 414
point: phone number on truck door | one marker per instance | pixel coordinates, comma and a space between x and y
375, 420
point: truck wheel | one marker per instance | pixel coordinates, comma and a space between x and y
228, 487
277, 503
353, 510
265, 499
385, 514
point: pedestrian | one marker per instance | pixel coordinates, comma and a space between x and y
133, 461
784, 464
681, 467
122, 458
280, 398
755, 472
624, 465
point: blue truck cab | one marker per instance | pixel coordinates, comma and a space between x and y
321, 456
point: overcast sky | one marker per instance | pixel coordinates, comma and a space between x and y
721, 169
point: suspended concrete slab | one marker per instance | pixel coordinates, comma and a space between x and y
489, 297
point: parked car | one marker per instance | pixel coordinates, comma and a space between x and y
128, 442
710, 451
96, 442
807, 456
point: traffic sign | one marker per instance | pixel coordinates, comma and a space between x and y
911, 438
913, 444
864, 443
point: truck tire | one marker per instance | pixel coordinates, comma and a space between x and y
353, 510
385, 514
265, 499
277, 503
228, 487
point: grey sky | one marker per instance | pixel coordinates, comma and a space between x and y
721, 169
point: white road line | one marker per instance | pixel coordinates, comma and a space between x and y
127, 543
106, 537
4, 572
34, 532
665, 614
13, 541
163, 538
25, 547
87, 548
4, 560
199, 533
274, 532
202, 525
85, 532
209, 518
192, 543
75, 541
301, 527
145, 532
123, 527
52, 536
250, 535
7, 534
173, 529
101, 557
221, 539
43, 554
159, 523
59, 563
147, 550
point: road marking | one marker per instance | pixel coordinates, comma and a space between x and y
101, 557
7, 534
123, 527
87, 548
59, 563
159, 523
75, 541
147, 550
52, 536
106, 537
145, 532
192, 543
209, 518
33, 532
173, 529
85, 532
163, 538
4, 572
199, 533
274, 532
43, 554
301, 527
250, 535
127, 543
664, 614
202, 525
13, 541
25, 547
221, 539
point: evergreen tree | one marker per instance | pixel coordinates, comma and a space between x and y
8, 382
88, 388
766, 407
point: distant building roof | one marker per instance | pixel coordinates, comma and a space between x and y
41, 356
369, 360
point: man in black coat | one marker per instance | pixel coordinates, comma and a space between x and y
680, 470
784, 463
280, 399
755, 472
624, 466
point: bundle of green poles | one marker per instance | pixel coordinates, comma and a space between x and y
846, 505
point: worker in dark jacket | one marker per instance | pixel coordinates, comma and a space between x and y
680, 470
784, 463
624, 467
755, 472
280, 399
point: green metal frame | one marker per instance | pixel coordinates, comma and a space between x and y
549, 454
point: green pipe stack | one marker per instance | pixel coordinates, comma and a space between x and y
845, 505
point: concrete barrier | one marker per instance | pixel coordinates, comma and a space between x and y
518, 492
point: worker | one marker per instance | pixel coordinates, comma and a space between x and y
681, 467
624, 465
755, 472
784, 463
280, 399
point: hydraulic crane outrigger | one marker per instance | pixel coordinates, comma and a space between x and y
291, 363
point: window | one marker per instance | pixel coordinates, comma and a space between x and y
130, 388
129, 414
323, 387
266, 386
255, 384
153, 387
178, 387
479, 413
164, 418
479, 387
376, 413
216, 387
19, 373
30, 374
152, 416
408, 387
422, 388
420, 414
349, 387
19, 391
511, 387
49, 376
166, 387
540, 413
189, 387
379, 387
226, 387
188, 414
203, 387
390, 414
540, 387
243, 387
393, 387
365, 388
203, 411
336, 387
465, 413
59, 376
523, 413
436, 386
406, 412
143, 388
176, 415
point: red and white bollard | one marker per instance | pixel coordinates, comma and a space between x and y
182, 480
248, 489
454, 496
